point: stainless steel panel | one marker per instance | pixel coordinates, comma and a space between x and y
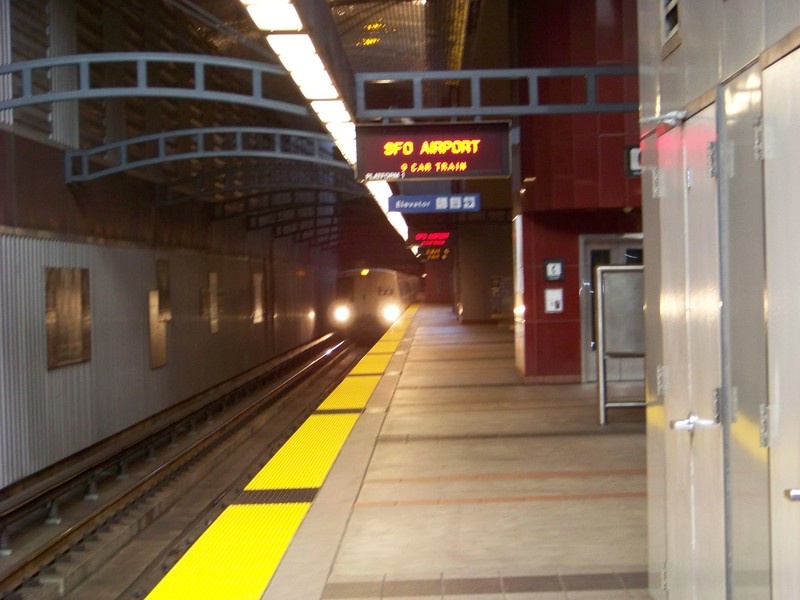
781, 17
656, 422
782, 218
623, 310
742, 29
745, 337
701, 45
690, 312
708, 537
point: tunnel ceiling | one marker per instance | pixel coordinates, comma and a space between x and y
403, 35
377, 35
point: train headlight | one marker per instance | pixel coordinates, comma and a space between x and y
391, 312
342, 314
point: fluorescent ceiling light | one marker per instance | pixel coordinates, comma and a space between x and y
344, 134
299, 57
399, 223
274, 15
331, 111
297, 53
381, 191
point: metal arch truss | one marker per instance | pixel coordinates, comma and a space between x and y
204, 142
302, 202
235, 187
24, 92
413, 90
311, 216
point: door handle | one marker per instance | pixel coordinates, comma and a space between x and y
692, 421
793, 495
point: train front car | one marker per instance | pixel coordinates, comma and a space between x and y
368, 301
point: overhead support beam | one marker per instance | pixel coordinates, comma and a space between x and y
319, 23
202, 143
538, 92
138, 65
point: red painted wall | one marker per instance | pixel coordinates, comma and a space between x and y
578, 160
553, 339
576, 163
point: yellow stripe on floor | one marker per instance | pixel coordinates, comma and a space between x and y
372, 364
236, 556
304, 460
351, 393
385, 347
239, 553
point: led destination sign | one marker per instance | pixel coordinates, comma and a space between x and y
433, 151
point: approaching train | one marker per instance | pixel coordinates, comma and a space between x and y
368, 301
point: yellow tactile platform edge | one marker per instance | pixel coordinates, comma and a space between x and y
304, 460
238, 554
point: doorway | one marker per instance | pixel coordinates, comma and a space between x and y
600, 250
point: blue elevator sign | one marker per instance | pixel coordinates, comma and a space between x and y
434, 203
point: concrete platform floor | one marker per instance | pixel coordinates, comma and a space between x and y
462, 482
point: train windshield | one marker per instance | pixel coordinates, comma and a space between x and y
345, 289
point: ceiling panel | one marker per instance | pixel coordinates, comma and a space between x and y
402, 35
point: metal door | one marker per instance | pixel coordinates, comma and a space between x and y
690, 314
600, 251
782, 216
744, 338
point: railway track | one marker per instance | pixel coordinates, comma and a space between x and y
144, 496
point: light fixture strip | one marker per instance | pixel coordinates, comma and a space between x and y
295, 49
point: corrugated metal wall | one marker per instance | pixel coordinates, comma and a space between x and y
46, 415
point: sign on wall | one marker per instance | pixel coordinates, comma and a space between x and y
433, 151
434, 203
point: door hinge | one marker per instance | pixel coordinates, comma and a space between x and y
758, 138
712, 160
664, 586
717, 405
656, 184
763, 425
660, 381
733, 402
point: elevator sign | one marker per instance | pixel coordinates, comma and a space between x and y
433, 151
433, 203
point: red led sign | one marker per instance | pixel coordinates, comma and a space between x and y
435, 238
433, 151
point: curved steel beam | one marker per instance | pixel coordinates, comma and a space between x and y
24, 92
204, 142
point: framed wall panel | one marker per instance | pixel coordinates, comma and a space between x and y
67, 316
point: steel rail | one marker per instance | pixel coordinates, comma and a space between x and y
313, 356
